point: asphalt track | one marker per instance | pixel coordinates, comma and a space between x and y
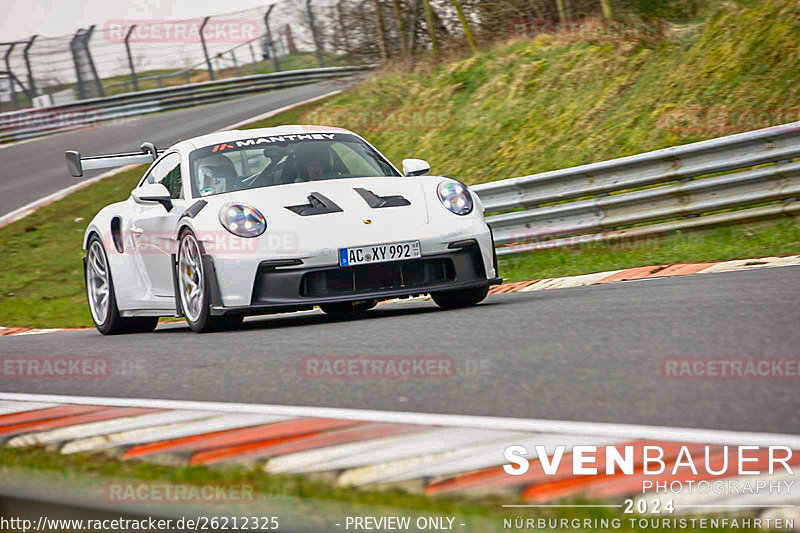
31, 170
582, 354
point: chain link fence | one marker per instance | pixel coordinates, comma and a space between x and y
119, 56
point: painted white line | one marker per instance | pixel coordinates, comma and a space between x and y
601, 429
270, 114
27, 209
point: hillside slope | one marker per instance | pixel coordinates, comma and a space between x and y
531, 105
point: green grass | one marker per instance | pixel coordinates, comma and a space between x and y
302, 495
41, 269
517, 108
718, 244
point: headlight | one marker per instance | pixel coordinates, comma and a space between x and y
455, 197
242, 220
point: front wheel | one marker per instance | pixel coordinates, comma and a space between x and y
459, 299
193, 286
102, 301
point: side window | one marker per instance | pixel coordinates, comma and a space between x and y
173, 182
168, 173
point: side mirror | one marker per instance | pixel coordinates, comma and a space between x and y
152, 192
415, 167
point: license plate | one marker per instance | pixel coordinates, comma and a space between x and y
379, 253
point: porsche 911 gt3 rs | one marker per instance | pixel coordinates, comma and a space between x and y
275, 220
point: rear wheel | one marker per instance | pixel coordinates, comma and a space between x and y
102, 302
193, 286
348, 309
459, 299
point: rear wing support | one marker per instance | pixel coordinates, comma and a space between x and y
76, 164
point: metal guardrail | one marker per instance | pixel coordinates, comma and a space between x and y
682, 187
18, 125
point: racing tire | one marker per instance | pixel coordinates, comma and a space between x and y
460, 299
194, 289
101, 298
347, 309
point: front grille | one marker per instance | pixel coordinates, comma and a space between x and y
377, 277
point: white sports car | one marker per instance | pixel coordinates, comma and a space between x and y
275, 220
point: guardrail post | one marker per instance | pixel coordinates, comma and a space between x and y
97, 81
315, 34
205, 49
273, 53
130, 57
11, 74
31, 82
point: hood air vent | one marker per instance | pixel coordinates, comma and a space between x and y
376, 202
317, 205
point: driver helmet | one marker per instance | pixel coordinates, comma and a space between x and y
213, 174
312, 160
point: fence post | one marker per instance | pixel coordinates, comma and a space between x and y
290, 46
74, 45
608, 13
97, 81
205, 49
11, 74
273, 53
431, 27
342, 27
465, 24
315, 33
31, 82
401, 26
562, 13
235, 63
130, 57
381, 31
412, 28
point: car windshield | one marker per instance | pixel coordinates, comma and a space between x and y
283, 159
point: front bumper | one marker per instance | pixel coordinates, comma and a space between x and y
282, 287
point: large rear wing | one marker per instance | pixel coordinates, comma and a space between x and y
76, 164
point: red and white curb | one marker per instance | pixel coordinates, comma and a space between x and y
646, 272
425, 453
599, 278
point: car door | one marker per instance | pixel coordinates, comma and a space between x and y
153, 227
